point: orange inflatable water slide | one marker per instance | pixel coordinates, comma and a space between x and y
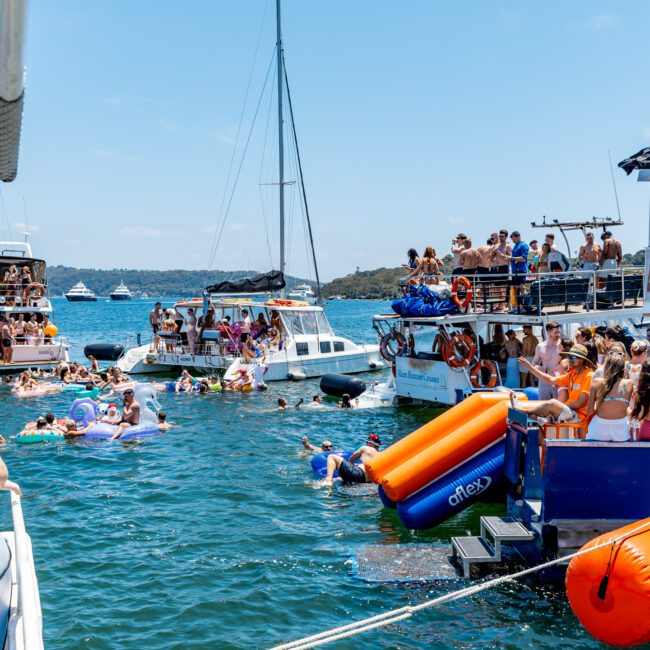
441, 445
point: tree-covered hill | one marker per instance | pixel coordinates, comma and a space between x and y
175, 283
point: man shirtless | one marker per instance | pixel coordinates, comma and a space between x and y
348, 471
155, 320
612, 252
589, 253
470, 258
550, 240
130, 413
529, 344
500, 258
547, 359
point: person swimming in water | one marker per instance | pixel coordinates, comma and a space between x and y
348, 471
325, 446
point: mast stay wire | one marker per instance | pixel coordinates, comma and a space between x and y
241, 121
302, 184
266, 217
611, 170
219, 232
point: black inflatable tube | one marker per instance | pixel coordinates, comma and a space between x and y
337, 385
104, 351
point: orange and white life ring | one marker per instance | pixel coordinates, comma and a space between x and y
35, 290
484, 368
392, 345
459, 351
469, 294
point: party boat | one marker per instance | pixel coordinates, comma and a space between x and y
308, 347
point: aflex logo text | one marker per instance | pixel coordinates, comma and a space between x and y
463, 492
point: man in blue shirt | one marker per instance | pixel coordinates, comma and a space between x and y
518, 263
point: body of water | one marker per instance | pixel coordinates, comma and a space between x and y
216, 534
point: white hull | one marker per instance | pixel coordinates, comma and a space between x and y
281, 365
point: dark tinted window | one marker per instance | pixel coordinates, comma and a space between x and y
325, 347
338, 346
302, 349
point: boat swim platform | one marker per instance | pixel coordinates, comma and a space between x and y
404, 563
26, 365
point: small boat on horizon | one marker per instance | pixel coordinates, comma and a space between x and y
80, 293
303, 292
121, 292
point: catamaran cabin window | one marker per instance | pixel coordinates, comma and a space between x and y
325, 347
309, 324
338, 346
302, 349
294, 324
323, 325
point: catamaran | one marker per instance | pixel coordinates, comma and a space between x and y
306, 345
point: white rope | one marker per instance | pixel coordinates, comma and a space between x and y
395, 615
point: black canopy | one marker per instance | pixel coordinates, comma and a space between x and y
640, 160
262, 283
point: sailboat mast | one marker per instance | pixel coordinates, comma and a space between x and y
280, 55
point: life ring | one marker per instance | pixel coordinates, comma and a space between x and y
482, 369
469, 294
35, 290
450, 351
386, 349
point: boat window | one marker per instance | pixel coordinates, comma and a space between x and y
325, 347
293, 322
302, 349
309, 324
323, 324
338, 346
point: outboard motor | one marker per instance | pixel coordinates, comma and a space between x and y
336, 385
104, 351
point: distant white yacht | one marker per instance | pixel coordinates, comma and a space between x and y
303, 292
80, 293
121, 293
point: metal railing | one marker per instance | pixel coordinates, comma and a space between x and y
532, 293
18, 295
28, 618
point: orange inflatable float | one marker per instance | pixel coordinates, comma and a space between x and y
439, 446
609, 588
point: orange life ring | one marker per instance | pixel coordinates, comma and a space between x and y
35, 290
469, 294
451, 349
476, 377
385, 347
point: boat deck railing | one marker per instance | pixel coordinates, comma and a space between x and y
27, 620
538, 293
22, 296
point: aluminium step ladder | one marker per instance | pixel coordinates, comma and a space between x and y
474, 549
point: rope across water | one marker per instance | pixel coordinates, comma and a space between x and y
395, 615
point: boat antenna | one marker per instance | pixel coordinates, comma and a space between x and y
611, 169
280, 56
302, 186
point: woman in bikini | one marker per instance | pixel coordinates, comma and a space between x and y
428, 268
609, 400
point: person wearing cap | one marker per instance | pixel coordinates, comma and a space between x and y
348, 471
577, 381
130, 413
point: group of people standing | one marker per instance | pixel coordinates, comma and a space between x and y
14, 284
501, 263
22, 329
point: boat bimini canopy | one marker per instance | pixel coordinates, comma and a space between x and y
263, 283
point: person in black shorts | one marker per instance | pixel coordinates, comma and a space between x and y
348, 471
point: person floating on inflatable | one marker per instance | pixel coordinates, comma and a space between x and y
348, 471
130, 413
185, 382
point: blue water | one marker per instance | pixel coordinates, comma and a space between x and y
216, 535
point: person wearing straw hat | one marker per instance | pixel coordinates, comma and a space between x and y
577, 381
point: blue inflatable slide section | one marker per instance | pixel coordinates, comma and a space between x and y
454, 491
422, 301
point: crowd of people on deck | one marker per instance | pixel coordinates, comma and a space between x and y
250, 338
14, 285
599, 381
501, 264
23, 329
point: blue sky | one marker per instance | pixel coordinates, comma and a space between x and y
416, 120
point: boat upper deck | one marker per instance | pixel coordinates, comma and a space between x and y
566, 296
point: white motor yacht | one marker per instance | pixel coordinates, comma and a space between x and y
20, 301
121, 292
303, 292
80, 293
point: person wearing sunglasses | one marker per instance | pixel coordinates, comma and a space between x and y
577, 382
325, 446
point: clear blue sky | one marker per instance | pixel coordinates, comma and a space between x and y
416, 120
